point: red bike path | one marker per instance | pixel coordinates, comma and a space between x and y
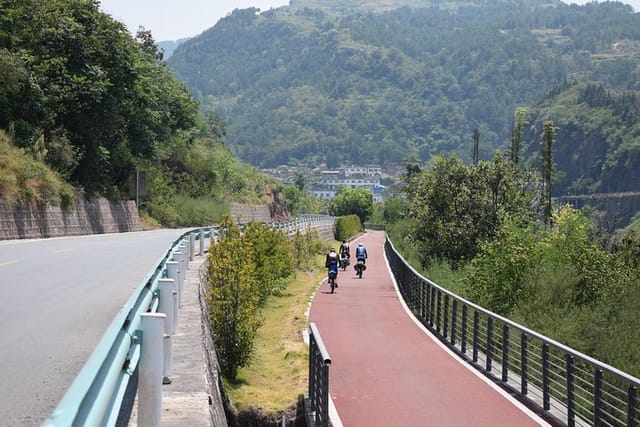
386, 370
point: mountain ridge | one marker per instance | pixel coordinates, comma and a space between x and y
308, 84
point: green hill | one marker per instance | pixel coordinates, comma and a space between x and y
331, 82
597, 147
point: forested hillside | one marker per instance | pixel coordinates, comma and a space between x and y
82, 99
330, 81
598, 138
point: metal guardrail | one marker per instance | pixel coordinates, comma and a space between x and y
302, 223
561, 384
317, 404
96, 395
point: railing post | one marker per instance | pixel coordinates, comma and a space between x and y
173, 272
421, 301
192, 246
546, 404
201, 251
571, 416
150, 370
523, 364
427, 304
476, 320
165, 306
317, 407
489, 343
597, 396
454, 316
445, 317
432, 305
505, 353
463, 337
631, 406
438, 310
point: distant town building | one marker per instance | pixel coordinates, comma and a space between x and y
328, 183
324, 194
362, 170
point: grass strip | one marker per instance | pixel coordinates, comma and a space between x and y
278, 372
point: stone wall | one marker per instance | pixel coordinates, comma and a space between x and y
326, 232
96, 216
247, 213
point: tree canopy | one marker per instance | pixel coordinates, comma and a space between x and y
84, 98
98, 97
352, 201
455, 207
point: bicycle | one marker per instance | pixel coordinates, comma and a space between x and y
344, 262
332, 280
360, 267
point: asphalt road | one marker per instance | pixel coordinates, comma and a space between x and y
57, 298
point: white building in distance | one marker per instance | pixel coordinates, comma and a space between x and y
364, 177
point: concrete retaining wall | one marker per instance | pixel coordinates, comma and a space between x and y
97, 216
326, 232
247, 213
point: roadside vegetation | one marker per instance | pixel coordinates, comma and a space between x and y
486, 233
259, 286
25, 179
87, 110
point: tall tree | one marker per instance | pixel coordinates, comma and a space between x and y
515, 150
547, 169
356, 201
454, 207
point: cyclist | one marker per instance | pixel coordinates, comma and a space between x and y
344, 249
361, 253
332, 263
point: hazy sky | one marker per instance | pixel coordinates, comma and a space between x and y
175, 19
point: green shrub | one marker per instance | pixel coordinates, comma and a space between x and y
495, 277
233, 299
25, 180
305, 246
272, 256
347, 227
199, 211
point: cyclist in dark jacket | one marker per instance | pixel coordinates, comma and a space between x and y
361, 253
332, 261
344, 249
